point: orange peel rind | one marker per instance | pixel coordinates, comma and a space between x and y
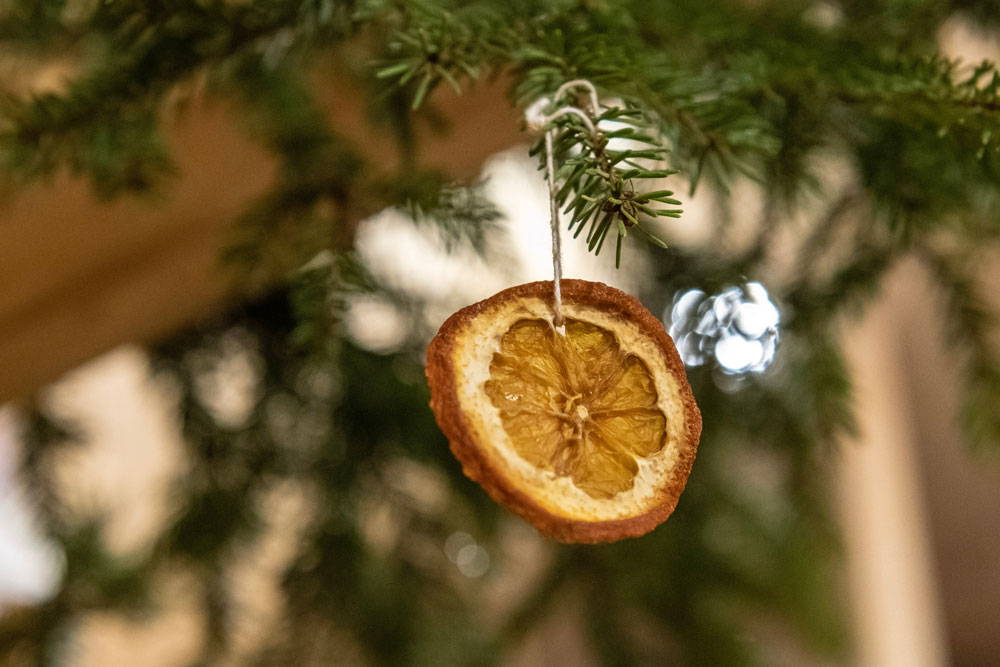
588, 431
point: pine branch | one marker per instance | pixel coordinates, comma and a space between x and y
937, 94
825, 229
105, 125
849, 288
434, 45
973, 324
822, 387
308, 208
596, 183
45, 433
32, 23
712, 118
92, 578
463, 214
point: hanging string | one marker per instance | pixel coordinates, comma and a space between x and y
537, 119
550, 173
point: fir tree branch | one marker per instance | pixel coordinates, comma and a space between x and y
306, 211
596, 183
938, 94
148, 49
973, 324
463, 214
434, 45
825, 229
822, 387
849, 288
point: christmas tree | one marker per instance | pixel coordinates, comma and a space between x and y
697, 98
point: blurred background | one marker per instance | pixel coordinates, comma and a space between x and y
216, 445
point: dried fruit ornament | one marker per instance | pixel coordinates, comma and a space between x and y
568, 403
589, 434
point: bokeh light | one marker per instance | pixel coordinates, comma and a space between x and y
469, 557
739, 328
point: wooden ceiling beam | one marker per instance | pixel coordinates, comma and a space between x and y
79, 276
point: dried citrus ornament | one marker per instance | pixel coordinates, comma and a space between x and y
587, 430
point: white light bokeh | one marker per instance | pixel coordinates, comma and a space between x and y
227, 378
471, 559
30, 566
375, 323
738, 327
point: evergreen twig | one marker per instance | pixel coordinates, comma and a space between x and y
596, 183
973, 323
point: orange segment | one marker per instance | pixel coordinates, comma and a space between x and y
561, 399
520, 378
638, 430
605, 470
629, 387
545, 432
590, 355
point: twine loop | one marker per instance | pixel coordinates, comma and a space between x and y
537, 119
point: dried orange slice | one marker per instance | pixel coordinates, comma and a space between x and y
589, 431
